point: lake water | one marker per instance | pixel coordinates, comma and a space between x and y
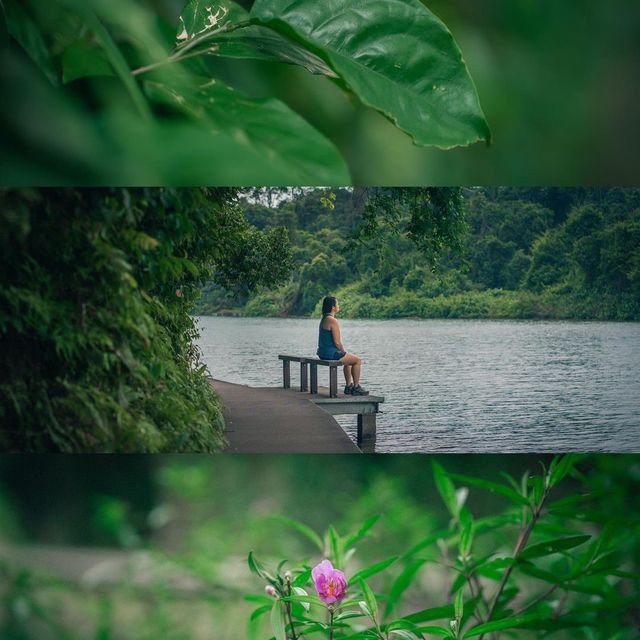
462, 385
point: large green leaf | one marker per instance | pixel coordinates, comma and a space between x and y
268, 126
395, 55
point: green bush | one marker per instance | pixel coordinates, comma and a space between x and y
96, 337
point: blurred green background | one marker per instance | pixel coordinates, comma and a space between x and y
155, 546
557, 82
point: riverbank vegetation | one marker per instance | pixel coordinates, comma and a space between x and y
560, 253
96, 336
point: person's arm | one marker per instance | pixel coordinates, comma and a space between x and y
335, 332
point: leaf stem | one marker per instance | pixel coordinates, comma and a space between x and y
520, 545
181, 49
538, 598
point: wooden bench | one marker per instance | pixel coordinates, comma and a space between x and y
286, 371
313, 365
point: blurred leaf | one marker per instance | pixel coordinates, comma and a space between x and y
256, 613
117, 60
302, 528
335, 547
276, 132
401, 583
22, 27
81, 59
350, 540
397, 57
373, 569
277, 621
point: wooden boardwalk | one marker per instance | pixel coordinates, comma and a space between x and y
274, 420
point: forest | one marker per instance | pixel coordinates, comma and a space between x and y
548, 252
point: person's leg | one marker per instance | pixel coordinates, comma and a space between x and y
353, 363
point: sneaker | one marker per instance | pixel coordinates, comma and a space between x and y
348, 390
359, 391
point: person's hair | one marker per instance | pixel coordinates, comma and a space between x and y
328, 303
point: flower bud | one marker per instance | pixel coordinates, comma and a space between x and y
270, 591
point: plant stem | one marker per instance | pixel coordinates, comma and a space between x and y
181, 49
520, 545
288, 610
330, 624
535, 601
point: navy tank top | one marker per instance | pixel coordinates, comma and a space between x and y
326, 345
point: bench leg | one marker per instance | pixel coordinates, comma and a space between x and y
286, 374
333, 382
366, 427
303, 376
314, 377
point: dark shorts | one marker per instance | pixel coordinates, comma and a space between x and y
331, 355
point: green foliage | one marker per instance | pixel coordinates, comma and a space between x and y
93, 73
442, 253
96, 291
532, 567
191, 521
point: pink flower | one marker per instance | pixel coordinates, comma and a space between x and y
330, 583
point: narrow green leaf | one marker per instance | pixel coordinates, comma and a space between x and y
370, 601
458, 605
435, 613
401, 584
351, 539
560, 467
258, 569
260, 611
552, 546
277, 621
396, 56
335, 547
117, 60
509, 623
446, 488
302, 528
302, 579
373, 569
494, 487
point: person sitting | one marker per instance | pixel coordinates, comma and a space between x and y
330, 347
